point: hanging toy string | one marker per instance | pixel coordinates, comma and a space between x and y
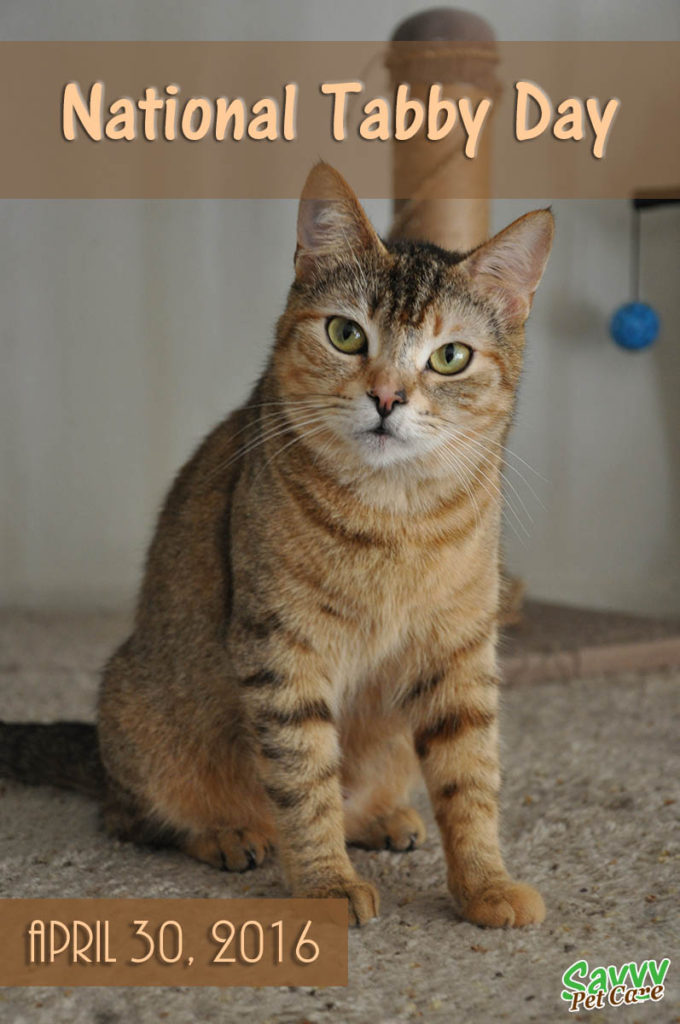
636, 325
635, 255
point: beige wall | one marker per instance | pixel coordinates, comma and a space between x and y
128, 328
600, 424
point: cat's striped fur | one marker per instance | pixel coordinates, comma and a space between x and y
318, 616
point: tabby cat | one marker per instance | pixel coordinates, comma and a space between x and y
317, 621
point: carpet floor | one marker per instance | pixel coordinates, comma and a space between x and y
590, 811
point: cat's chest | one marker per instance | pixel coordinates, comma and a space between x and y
387, 601
365, 585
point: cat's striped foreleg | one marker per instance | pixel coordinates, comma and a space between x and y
454, 714
298, 756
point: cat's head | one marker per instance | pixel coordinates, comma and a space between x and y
398, 353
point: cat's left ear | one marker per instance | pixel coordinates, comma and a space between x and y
507, 269
330, 220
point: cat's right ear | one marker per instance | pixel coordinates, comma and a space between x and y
330, 220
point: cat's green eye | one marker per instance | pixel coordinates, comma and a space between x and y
451, 358
346, 335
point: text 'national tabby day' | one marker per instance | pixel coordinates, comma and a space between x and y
166, 115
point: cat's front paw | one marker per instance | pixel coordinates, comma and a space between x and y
363, 898
504, 904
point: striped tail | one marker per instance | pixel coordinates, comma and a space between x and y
64, 754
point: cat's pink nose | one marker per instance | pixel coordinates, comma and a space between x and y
386, 397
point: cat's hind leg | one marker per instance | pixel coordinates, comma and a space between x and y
223, 847
379, 772
230, 849
177, 776
400, 830
123, 819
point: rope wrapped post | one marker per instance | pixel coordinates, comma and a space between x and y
456, 49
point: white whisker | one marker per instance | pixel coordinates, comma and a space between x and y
449, 459
474, 440
300, 437
484, 479
268, 435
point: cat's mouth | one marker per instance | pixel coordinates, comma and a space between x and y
383, 444
381, 430
382, 436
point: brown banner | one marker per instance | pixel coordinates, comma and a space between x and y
173, 942
244, 120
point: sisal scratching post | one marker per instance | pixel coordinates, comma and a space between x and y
458, 50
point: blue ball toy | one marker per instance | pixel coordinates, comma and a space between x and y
635, 325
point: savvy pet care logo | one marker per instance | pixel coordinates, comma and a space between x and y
627, 985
